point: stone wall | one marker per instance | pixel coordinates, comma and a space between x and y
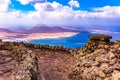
27, 61
28, 64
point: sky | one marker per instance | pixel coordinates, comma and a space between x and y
93, 14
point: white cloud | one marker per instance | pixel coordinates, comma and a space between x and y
43, 7
54, 13
4, 5
108, 11
24, 2
74, 3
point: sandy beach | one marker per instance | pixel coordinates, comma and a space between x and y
34, 36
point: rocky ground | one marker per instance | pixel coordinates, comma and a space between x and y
54, 65
99, 59
16, 64
7, 65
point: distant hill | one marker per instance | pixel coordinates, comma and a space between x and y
39, 29
5, 30
46, 29
38, 32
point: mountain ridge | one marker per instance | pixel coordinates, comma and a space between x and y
37, 32
39, 29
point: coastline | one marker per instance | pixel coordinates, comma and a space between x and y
34, 36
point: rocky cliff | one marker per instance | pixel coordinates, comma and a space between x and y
99, 59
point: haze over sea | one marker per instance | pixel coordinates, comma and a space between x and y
75, 41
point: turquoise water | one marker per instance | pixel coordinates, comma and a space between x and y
72, 42
76, 41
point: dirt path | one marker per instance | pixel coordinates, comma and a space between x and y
54, 65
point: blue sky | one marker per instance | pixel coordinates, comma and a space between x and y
84, 4
19, 6
67, 13
88, 4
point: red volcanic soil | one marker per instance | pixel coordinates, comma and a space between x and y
7, 65
53, 65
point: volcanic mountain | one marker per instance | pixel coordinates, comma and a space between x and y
5, 30
46, 29
38, 32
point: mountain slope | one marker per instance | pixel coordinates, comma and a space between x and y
39, 32
46, 29
5, 30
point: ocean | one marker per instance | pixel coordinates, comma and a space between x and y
75, 41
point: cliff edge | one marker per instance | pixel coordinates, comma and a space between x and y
99, 59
